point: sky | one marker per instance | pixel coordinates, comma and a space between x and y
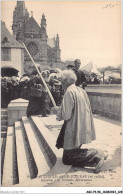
88, 30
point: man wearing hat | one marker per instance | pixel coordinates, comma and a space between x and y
81, 80
69, 66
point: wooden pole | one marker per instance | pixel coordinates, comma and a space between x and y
103, 77
51, 97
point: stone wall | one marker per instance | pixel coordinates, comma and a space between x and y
105, 100
16, 61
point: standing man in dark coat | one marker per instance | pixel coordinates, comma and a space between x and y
81, 80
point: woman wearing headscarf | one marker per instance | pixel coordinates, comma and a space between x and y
39, 103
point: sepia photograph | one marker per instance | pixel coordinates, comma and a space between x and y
61, 93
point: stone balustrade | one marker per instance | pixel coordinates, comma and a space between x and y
105, 100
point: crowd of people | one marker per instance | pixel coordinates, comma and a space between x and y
30, 87
72, 106
19, 87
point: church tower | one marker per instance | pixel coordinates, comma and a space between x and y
45, 51
20, 16
43, 35
57, 49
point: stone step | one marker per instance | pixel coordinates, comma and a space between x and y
4, 117
3, 134
31, 153
4, 122
48, 142
43, 134
30, 158
4, 111
47, 152
3, 146
23, 169
3, 128
36, 148
15, 164
1, 141
7, 179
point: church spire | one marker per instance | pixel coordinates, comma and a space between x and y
57, 49
32, 14
57, 41
43, 24
21, 7
20, 16
43, 27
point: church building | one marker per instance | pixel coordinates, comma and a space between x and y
44, 51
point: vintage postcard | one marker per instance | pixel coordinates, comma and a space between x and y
61, 86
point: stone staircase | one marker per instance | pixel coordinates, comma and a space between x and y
4, 125
30, 153
4, 122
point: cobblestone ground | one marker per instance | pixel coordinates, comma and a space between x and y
109, 137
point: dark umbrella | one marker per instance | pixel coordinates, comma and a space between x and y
9, 71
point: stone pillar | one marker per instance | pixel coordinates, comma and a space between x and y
16, 109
